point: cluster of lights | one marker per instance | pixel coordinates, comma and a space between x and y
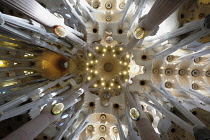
108, 67
28, 72
28, 55
106, 84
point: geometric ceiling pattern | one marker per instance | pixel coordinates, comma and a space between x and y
104, 69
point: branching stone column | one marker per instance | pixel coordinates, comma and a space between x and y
168, 114
182, 30
73, 97
120, 129
24, 108
50, 114
140, 6
125, 11
19, 22
178, 106
144, 126
25, 97
68, 125
83, 124
197, 53
36, 11
131, 131
34, 127
161, 10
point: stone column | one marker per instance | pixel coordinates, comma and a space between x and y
146, 130
143, 125
161, 10
35, 11
32, 128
